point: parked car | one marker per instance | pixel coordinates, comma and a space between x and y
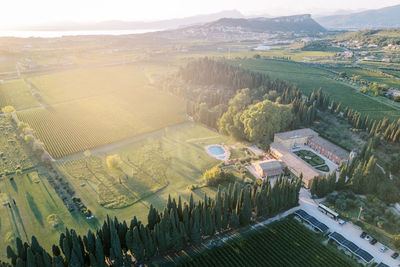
395, 255
368, 238
363, 235
341, 222
373, 241
384, 249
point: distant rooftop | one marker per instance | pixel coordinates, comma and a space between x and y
296, 134
270, 164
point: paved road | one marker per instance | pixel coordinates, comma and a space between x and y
349, 231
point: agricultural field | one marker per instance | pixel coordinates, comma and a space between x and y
13, 154
283, 243
110, 109
18, 94
309, 79
153, 166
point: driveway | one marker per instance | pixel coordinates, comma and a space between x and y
349, 231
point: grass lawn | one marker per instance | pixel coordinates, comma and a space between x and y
182, 146
35, 201
309, 79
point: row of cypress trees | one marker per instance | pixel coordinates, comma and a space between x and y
177, 226
362, 176
389, 131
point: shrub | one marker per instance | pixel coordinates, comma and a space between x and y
216, 176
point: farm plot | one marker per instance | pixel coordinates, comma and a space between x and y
309, 79
283, 243
16, 93
77, 126
13, 155
83, 83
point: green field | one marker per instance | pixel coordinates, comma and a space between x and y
283, 243
18, 94
35, 201
98, 107
309, 79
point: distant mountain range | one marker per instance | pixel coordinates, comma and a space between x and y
387, 17
297, 23
134, 25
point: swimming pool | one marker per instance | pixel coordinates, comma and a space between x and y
218, 152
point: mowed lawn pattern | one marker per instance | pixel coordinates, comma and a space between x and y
284, 243
309, 79
98, 118
35, 200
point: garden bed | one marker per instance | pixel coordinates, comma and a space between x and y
310, 157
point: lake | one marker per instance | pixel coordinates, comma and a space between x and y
55, 34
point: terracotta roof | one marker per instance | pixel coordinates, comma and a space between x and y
334, 149
270, 164
296, 134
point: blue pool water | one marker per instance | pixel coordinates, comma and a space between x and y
216, 150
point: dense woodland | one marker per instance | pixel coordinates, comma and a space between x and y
244, 104
180, 224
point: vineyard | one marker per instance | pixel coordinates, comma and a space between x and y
83, 83
74, 127
283, 243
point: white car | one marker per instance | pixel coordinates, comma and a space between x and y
384, 249
368, 238
341, 222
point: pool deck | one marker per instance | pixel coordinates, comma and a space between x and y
223, 157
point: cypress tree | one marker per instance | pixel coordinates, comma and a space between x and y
233, 220
100, 259
245, 209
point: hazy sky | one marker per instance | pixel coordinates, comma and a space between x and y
27, 12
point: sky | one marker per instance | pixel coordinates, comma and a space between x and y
33, 12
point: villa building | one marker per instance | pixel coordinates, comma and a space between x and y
285, 142
269, 168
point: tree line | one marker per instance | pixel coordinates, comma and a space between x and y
118, 243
